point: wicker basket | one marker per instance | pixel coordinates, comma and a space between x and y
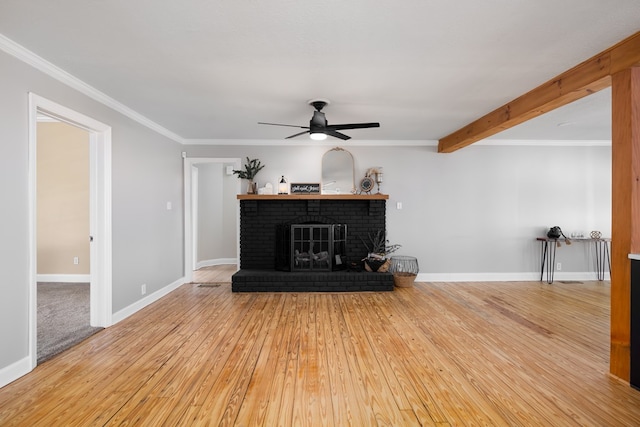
404, 280
405, 270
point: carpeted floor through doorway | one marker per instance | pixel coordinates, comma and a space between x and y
63, 317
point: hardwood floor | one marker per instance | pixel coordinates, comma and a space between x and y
490, 353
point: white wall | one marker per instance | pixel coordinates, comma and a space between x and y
147, 173
473, 214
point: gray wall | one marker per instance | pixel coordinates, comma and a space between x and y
147, 238
216, 213
147, 173
474, 213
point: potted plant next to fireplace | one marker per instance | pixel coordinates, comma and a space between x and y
378, 248
251, 169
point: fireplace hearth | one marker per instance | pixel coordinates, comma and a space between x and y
308, 243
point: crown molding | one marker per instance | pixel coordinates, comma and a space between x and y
400, 143
20, 52
546, 142
309, 142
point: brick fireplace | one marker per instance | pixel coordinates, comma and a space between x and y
267, 251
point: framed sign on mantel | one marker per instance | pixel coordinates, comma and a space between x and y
305, 188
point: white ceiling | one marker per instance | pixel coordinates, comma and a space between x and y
207, 69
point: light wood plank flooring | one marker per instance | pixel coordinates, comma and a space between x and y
490, 353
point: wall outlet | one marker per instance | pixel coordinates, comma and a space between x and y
559, 266
76, 261
143, 289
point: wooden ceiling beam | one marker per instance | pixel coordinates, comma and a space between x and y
586, 78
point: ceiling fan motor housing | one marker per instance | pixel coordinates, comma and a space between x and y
318, 120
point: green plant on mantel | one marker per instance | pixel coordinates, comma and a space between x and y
251, 169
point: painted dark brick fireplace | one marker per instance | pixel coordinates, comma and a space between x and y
264, 254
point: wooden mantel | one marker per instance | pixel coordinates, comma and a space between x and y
313, 196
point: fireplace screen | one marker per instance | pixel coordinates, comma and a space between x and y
317, 247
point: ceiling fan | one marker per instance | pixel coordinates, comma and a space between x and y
318, 128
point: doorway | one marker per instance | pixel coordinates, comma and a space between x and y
62, 224
194, 170
99, 235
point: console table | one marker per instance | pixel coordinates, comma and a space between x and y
548, 255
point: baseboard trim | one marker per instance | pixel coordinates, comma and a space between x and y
64, 278
149, 299
218, 261
506, 277
14, 371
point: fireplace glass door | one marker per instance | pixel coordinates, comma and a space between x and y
311, 246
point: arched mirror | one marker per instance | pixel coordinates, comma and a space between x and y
338, 175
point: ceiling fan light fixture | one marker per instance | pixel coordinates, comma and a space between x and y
318, 136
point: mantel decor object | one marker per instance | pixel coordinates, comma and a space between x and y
283, 187
305, 188
376, 174
338, 174
366, 185
251, 169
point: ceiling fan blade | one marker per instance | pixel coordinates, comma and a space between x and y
337, 134
354, 126
280, 124
297, 134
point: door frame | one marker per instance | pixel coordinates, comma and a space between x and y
99, 214
189, 189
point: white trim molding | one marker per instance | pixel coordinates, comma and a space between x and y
64, 278
310, 142
151, 298
213, 262
189, 239
99, 212
20, 52
546, 142
401, 143
14, 371
507, 277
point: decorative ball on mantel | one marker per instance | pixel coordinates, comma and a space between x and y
596, 235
